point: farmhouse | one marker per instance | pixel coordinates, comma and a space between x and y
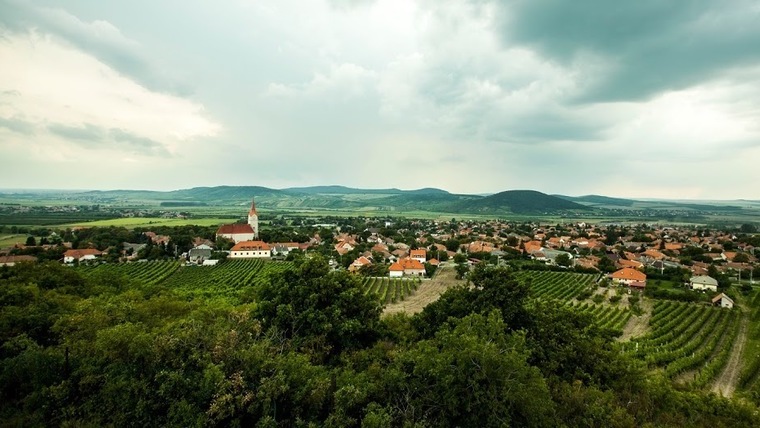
85, 254
242, 232
250, 249
360, 262
629, 277
406, 267
703, 282
723, 301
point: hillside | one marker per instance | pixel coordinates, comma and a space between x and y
519, 202
598, 200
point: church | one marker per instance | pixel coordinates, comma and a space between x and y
242, 232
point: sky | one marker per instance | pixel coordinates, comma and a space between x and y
646, 98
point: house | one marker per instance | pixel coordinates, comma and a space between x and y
199, 253
359, 263
242, 232
396, 270
412, 267
703, 282
629, 277
83, 255
723, 301
284, 248
250, 249
12, 260
420, 255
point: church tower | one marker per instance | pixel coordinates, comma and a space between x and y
253, 219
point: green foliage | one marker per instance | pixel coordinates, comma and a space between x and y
322, 311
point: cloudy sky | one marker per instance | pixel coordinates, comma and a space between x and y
644, 98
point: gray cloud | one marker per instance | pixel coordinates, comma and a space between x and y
95, 137
650, 46
17, 125
99, 38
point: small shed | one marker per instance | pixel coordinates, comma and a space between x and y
723, 301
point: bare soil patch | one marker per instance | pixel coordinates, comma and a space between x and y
638, 325
725, 383
429, 291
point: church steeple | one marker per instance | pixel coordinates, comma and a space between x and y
253, 208
253, 219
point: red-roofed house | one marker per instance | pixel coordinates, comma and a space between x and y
250, 249
396, 270
359, 263
420, 255
84, 254
630, 277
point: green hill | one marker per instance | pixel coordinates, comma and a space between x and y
519, 202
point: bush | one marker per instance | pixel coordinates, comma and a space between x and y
598, 298
614, 299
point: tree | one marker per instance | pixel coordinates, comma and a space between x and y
563, 260
31, 242
323, 312
741, 258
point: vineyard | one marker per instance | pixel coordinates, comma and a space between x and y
606, 316
390, 290
688, 341
226, 279
563, 286
749, 379
152, 272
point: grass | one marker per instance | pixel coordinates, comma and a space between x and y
10, 240
132, 222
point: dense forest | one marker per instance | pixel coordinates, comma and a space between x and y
308, 348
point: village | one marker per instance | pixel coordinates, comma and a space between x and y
635, 256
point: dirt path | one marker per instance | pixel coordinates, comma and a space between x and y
725, 384
638, 325
429, 291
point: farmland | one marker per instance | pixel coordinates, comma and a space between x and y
689, 343
390, 290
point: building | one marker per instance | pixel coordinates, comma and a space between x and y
83, 255
199, 253
359, 263
703, 282
723, 301
420, 255
12, 260
242, 232
396, 270
629, 277
250, 249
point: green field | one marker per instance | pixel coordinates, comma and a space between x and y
132, 222
10, 240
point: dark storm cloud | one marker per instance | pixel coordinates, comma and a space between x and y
650, 45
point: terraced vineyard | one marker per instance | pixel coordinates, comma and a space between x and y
390, 290
687, 339
152, 272
556, 285
611, 317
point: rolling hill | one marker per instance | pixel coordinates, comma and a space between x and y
519, 202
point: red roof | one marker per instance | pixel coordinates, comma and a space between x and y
629, 275
411, 264
234, 229
78, 254
251, 246
418, 253
396, 267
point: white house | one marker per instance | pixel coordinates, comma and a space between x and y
420, 255
703, 282
82, 255
396, 270
250, 249
723, 301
